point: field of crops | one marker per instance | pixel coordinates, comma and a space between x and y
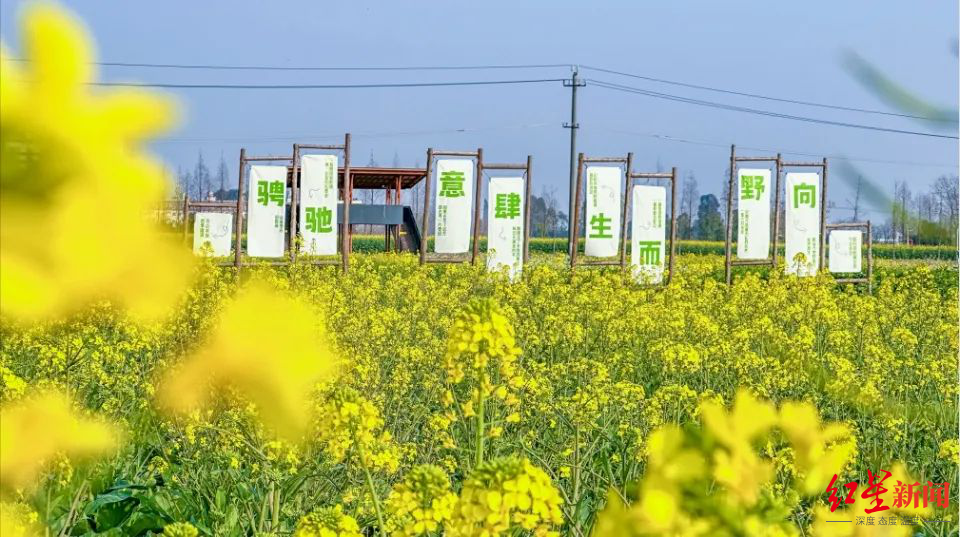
588, 389
145, 391
933, 253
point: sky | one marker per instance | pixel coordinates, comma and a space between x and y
792, 50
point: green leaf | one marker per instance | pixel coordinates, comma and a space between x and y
111, 510
142, 522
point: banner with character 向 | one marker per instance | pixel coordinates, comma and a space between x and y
802, 219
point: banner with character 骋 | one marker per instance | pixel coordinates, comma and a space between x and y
266, 211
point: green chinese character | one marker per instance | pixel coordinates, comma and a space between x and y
451, 184
804, 194
319, 220
263, 196
507, 206
277, 192
600, 227
750, 186
649, 252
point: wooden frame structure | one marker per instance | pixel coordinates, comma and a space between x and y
628, 205
867, 228
427, 190
574, 231
346, 244
733, 185
780, 166
190, 207
238, 218
528, 181
630, 177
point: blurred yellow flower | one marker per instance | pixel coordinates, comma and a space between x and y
16, 520
820, 450
268, 347
76, 185
41, 426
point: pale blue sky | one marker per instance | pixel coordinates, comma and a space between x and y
784, 49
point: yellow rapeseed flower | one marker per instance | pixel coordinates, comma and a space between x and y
327, 522
267, 347
41, 426
77, 188
17, 520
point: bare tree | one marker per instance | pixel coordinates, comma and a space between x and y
222, 177
900, 217
550, 214
370, 194
855, 202
201, 175
945, 190
689, 194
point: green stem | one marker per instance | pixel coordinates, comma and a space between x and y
373, 492
576, 465
275, 526
263, 510
481, 412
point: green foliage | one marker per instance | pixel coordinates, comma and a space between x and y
603, 363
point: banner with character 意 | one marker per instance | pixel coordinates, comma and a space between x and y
453, 214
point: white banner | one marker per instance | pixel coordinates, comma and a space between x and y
844, 252
648, 233
453, 215
803, 224
266, 205
505, 221
753, 214
318, 204
214, 229
603, 210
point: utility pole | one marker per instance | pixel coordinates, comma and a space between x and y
573, 126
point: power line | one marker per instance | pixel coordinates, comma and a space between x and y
332, 136
215, 67
726, 145
220, 67
758, 96
712, 104
322, 86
